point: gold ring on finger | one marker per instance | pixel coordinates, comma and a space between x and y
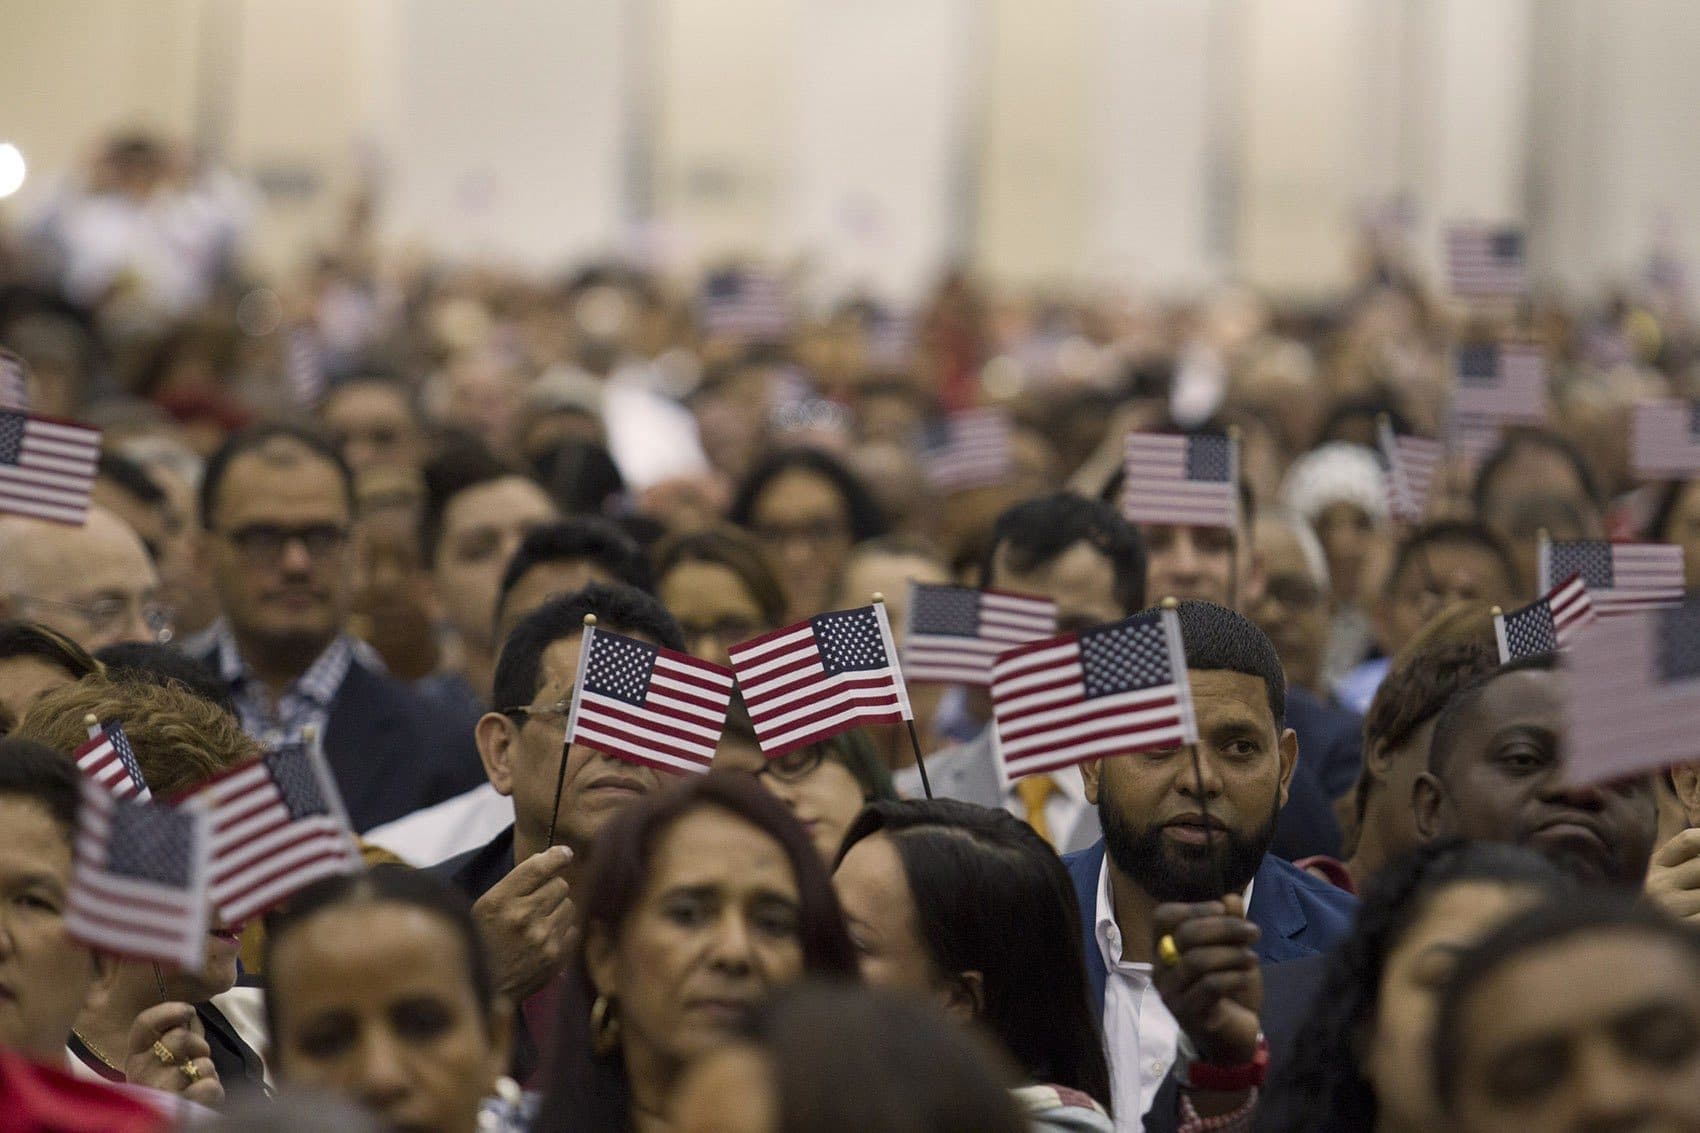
190, 1072
1168, 952
163, 1053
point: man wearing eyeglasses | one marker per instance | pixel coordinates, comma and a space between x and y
94, 583
277, 506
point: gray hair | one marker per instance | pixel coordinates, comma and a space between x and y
1309, 545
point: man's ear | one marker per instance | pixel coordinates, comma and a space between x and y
1685, 785
1430, 807
497, 737
1289, 745
1377, 760
1090, 774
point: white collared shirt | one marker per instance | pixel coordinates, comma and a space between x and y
1140, 1036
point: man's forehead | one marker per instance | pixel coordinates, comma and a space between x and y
1223, 693
250, 479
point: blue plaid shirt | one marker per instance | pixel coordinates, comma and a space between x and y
306, 701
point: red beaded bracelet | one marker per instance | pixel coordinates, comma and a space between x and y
1230, 1079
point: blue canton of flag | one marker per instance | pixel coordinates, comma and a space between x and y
152, 844
955, 633
953, 611
620, 667
1209, 458
1528, 632
850, 641
1124, 657
298, 783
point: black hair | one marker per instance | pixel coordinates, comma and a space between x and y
1594, 912
623, 609
1217, 638
1449, 725
1670, 494
1451, 532
155, 664
853, 1060
1322, 1086
588, 1090
1036, 532
1368, 407
258, 437
387, 883
464, 465
580, 476
31, 639
577, 539
130, 476
866, 518
992, 897
1519, 439
34, 771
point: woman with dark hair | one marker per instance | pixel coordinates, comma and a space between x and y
720, 588
380, 991
964, 906
826, 785
807, 510
825, 1059
1357, 1062
700, 901
33, 660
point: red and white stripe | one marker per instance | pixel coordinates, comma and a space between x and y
54, 473
679, 724
1005, 620
1572, 609
1663, 444
1157, 489
1412, 463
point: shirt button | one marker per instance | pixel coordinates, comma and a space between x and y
1157, 1068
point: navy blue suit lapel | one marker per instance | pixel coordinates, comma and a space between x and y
1084, 869
1275, 909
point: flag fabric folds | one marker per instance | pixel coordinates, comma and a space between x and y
968, 449
1110, 690
1187, 481
1485, 261
1619, 576
109, 760
954, 633
1498, 384
140, 877
1411, 464
278, 825
47, 467
1664, 439
1546, 625
647, 704
812, 680
1635, 694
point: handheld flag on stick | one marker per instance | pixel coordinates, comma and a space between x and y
745, 305
969, 449
1635, 694
140, 876
1485, 261
109, 760
954, 633
812, 680
1665, 439
278, 825
647, 704
1188, 481
1498, 384
1411, 464
1620, 577
1546, 625
1109, 690
47, 467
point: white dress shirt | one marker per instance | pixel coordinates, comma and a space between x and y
1140, 1036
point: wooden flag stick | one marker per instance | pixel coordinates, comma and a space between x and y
1217, 883
914, 736
561, 772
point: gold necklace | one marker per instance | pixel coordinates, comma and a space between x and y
97, 1052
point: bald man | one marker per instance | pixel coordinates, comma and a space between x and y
94, 583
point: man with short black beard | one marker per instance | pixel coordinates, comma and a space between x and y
1164, 843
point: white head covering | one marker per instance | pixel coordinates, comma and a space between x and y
1333, 474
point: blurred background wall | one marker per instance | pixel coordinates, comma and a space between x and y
1159, 144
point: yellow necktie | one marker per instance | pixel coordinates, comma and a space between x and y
1035, 792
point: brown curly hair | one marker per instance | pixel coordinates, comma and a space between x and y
181, 740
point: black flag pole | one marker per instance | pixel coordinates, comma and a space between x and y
914, 736
566, 743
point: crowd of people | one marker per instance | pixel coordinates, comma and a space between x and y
371, 506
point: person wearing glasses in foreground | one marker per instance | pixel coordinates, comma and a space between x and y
523, 881
277, 503
95, 583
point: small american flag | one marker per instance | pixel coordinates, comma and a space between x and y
47, 467
1546, 625
1109, 690
1635, 694
968, 449
304, 367
1485, 261
14, 382
109, 760
745, 305
1189, 481
955, 633
1665, 439
646, 704
810, 681
140, 875
278, 825
1619, 576
1499, 384
1411, 464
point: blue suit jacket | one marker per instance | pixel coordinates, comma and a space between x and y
1299, 915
